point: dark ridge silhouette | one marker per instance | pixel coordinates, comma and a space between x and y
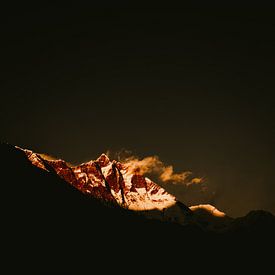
48, 225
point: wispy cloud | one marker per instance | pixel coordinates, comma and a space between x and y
165, 173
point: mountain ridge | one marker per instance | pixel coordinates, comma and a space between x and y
110, 182
47, 224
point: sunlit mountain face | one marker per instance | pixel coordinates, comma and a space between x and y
124, 185
109, 181
117, 184
57, 214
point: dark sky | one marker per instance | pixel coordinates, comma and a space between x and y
193, 86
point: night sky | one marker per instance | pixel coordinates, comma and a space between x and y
193, 86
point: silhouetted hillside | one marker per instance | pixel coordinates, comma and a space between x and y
48, 224
48, 221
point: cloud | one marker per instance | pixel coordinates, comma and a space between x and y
47, 157
50, 157
153, 165
169, 175
147, 165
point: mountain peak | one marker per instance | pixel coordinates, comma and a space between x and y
209, 209
113, 183
103, 160
109, 181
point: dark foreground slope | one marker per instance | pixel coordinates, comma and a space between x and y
46, 224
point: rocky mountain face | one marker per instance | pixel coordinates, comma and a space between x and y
48, 224
111, 182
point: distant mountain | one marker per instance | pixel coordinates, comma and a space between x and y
112, 183
54, 214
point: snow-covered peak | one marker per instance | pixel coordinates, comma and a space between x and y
109, 180
209, 209
103, 160
112, 182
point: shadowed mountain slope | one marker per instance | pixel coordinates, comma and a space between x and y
47, 222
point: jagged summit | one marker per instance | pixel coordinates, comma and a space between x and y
113, 182
103, 160
116, 183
